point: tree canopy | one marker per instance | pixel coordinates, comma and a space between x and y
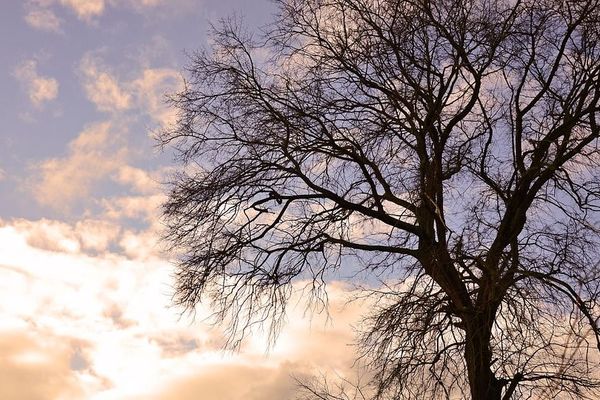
450, 146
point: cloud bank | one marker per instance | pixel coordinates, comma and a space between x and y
82, 321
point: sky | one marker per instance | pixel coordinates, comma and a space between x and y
85, 286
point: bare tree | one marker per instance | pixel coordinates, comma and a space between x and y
451, 146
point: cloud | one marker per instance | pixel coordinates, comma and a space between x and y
72, 297
101, 87
88, 9
85, 9
43, 19
141, 245
49, 235
92, 157
40, 89
235, 382
307, 346
100, 326
145, 93
150, 90
140, 180
56, 236
36, 367
135, 243
40, 14
97, 234
133, 207
99, 154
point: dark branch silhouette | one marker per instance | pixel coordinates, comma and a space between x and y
451, 145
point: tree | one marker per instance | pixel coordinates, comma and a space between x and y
450, 146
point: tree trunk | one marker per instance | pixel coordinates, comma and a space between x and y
482, 381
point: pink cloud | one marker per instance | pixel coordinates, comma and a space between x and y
100, 326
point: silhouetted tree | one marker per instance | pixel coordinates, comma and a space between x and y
450, 146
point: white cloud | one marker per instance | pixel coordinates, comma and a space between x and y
88, 9
145, 93
93, 156
49, 235
97, 234
43, 19
85, 9
150, 90
36, 366
133, 207
41, 15
101, 87
56, 236
100, 327
40, 89
140, 180
137, 244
